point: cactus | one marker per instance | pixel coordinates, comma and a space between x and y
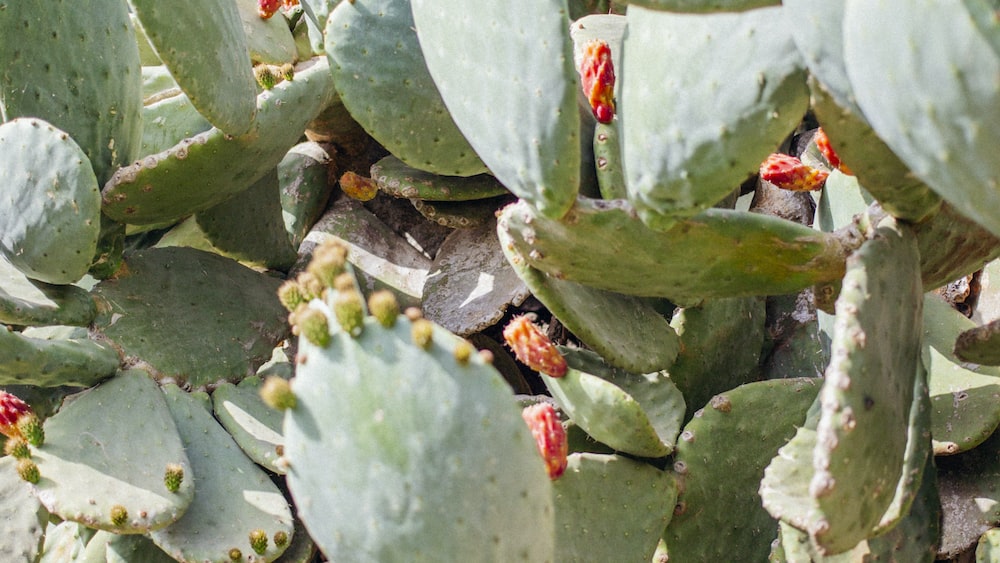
228, 351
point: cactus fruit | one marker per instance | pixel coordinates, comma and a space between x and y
265, 76
823, 144
267, 8
550, 436
597, 75
349, 308
789, 173
357, 186
533, 348
12, 410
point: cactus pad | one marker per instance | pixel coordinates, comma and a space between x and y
692, 132
255, 426
108, 448
22, 517
720, 253
382, 78
506, 74
46, 362
233, 496
395, 177
50, 200
206, 51
624, 523
398, 453
30, 303
980, 345
183, 296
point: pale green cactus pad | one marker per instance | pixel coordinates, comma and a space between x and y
720, 458
22, 517
636, 414
31, 303
699, 6
168, 121
397, 453
50, 200
206, 51
233, 497
106, 547
60, 68
505, 72
635, 502
255, 426
269, 41
183, 296
65, 541
380, 74
693, 131
108, 448
948, 69
720, 253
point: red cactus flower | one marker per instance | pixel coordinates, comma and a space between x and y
289, 4
823, 144
267, 8
533, 348
789, 173
12, 410
597, 73
550, 436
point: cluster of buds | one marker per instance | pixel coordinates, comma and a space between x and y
533, 348
550, 436
597, 73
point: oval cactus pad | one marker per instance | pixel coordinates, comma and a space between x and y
50, 202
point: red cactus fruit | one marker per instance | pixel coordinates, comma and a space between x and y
823, 144
267, 8
550, 436
533, 348
789, 173
12, 410
289, 4
597, 72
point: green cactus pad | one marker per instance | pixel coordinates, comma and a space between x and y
952, 246
628, 332
269, 41
505, 72
51, 202
206, 52
381, 76
65, 541
611, 508
384, 259
868, 388
22, 517
968, 484
635, 414
188, 177
398, 453
461, 214
109, 447
157, 84
470, 284
720, 253
121, 548
233, 496
394, 177
169, 121
255, 426
720, 459
608, 160
192, 316
935, 101
147, 55
78, 69
988, 548
702, 6
302, 175
250, 227
48, 363
720, 347
692, 132
31, 303
964, 397
980, 345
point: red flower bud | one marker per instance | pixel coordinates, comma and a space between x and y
12, 410
533, 348
823, 144
597, 72
267, 8
789, 173
550, 436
